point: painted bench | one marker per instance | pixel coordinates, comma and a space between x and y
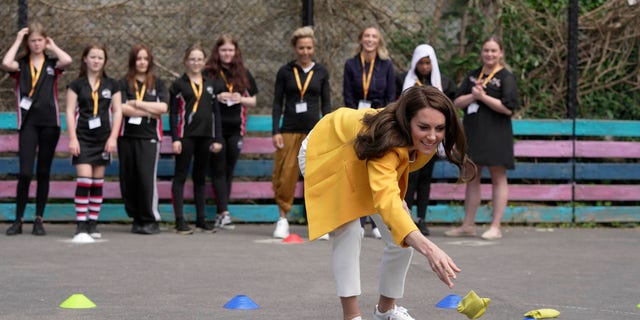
557, 179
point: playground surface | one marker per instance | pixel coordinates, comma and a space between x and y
583, 273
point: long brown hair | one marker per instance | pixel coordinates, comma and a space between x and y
391, 128
85, 53
237, 72
150, 79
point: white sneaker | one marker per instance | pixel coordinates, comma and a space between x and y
223, 221
397, 313
375, 232
324, 237
282, 229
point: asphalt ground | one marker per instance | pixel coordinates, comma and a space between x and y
583, 273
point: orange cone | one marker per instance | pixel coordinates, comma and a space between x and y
293, 238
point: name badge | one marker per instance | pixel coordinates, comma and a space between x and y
230, 103
135, 120
94, 123
472, 108
364, 104
301, 107
25, 103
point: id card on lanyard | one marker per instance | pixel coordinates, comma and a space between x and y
139, 96
197, 91
366, 83
229, 87
94, 122
301, 106
474, 106
26, 102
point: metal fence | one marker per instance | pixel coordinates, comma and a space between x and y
169, 27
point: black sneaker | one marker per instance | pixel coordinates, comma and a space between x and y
422, 226
146, 228
93, 229
205, 226
136, 227
150, 228
182, 227
82, 227
38, 228
15, 228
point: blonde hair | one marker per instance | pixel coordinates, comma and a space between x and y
382, 51
304, 32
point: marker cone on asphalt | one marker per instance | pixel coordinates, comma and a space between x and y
241, 302
449, 302
77, 301
293, 238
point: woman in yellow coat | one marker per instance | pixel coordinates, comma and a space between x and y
356, 163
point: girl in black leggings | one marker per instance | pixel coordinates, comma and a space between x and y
194, 118
236, 91
36, 75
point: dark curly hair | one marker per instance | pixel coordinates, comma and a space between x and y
390, 128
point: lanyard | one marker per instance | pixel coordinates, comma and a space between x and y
227, 84
198, 92
493, 73
35, 74
94, 96
306, 82
139, 94
366, 79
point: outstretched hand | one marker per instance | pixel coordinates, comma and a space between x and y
443, 266
440, 262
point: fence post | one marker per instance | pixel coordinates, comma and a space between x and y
23, 12
572, 88
307, 13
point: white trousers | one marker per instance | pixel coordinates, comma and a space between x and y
346, 261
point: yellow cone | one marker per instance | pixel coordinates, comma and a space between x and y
77, 301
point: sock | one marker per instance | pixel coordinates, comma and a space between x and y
95, 198
83, 184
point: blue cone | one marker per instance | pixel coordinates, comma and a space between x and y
241, 302
449, 302
529, 318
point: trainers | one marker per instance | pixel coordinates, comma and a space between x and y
38, 228
82, 227
324, 237
223, 221
136, 227
93, 229
145, 228
15, 228
422, 226
282, 229
397, 313
204, 226
182, 227
150, 228
375, 232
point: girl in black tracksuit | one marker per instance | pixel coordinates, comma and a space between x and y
194, 118
36, 77
145, 98
94, 98
236, 91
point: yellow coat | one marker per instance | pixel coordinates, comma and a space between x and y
339, 188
